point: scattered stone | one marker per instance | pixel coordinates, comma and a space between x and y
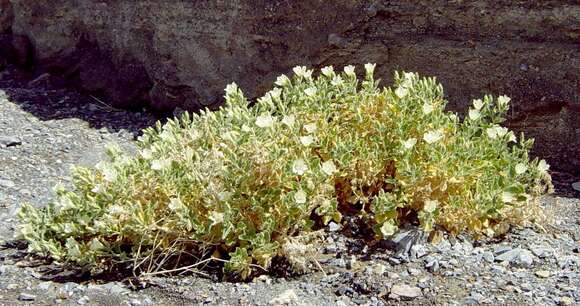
543, 274
405, 291
525, 259
566, 261
414, 271
393, 275
432, 265
379, 269
541, 251
115, 288
7, 183
501, 249
517, 256
576, 186
84, 300
488, 256
44, 286
418, 251
284, 298
334, 227
9, 141
566, 301
26, 297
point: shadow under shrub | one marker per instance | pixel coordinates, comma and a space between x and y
243, 184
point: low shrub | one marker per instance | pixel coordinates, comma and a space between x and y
244, 183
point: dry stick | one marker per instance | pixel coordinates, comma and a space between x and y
109, 107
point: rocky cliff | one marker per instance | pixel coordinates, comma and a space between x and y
183, 53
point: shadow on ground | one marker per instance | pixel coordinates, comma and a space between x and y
47, 98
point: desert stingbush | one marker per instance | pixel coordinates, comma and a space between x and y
244, 184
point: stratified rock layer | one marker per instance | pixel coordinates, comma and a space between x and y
183, 53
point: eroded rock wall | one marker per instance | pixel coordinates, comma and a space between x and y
183, 53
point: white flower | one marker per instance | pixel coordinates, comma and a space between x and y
328, 71
299, 167
147, 153
224, 195
306, 140
328, 167
160, 164
275, 93
73, 248
264, 121
511, 137
501, 131
496, 131
175, 204
300, 71
96, 245
408, 76
521, 168
310, 91
310, 128
388, 229
96, 189
349, 70
246, 128
503, 100
543, 166
430, 206
477, 104
116, 210
474, 114
300, 197
266, 99
231, 89
216, 217
433, 136
109, 174
165, 134
427, 108
289, 120
401, 91
337, 80
282, 80
507, 197
409, 143
370, 68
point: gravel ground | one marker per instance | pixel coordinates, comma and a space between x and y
45, 129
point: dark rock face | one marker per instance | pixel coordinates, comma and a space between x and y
6, 16
183, 53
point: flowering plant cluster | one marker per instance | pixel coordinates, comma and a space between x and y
241, 183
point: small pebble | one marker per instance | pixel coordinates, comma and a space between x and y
543, 274
26, 297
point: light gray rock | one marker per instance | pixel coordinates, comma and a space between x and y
405, 291
488, 256
285, 298
7, 183
334, 227
432, 265
26, 297
541, 251
9, 141
418, 251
